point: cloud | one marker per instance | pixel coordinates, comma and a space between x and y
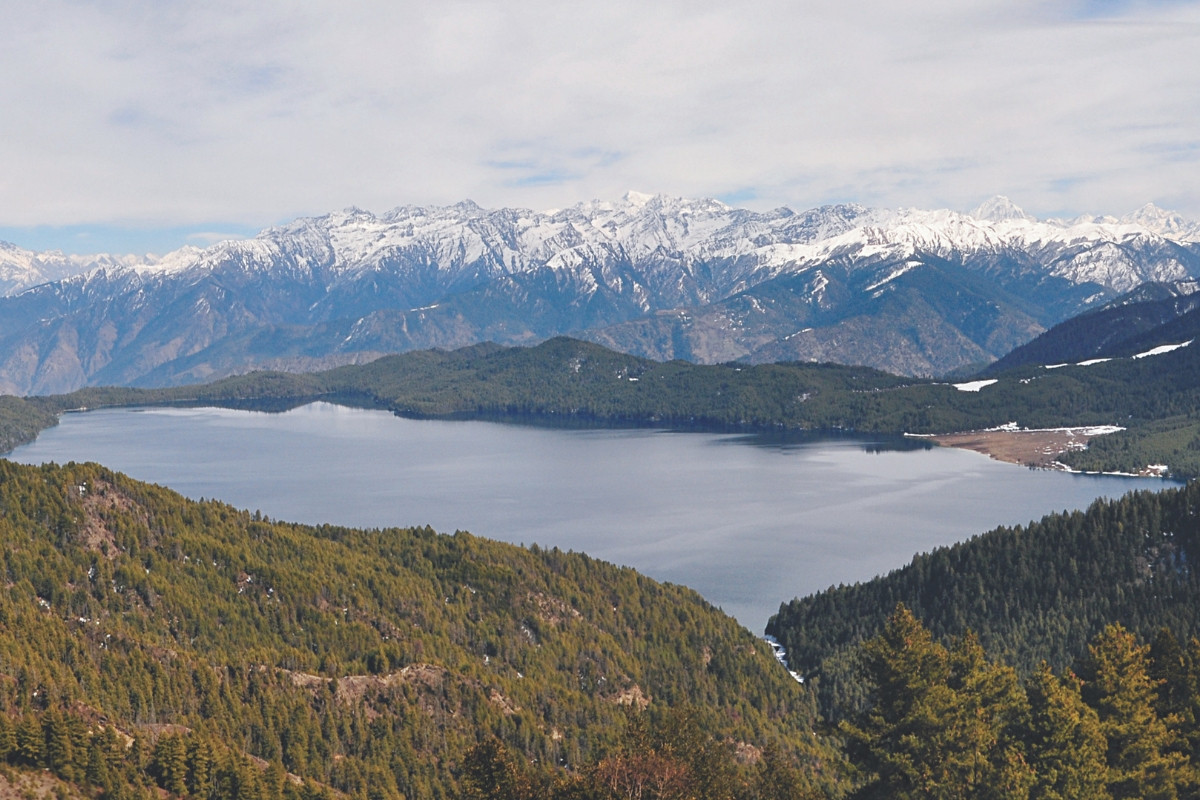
145, 114
206, 238
542, 163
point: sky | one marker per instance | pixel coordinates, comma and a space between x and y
130, 126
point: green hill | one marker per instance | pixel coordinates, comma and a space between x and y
1029, 593
368, 663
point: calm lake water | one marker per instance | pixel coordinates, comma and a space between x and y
747, 523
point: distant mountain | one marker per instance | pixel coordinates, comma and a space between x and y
1001, 209
1151, 315
21, 269
913, 292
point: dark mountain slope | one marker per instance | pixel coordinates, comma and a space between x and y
918, 315
1182, 329
1121, 328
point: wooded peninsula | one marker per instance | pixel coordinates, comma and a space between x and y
1156, 401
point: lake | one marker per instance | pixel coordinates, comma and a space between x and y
747, 522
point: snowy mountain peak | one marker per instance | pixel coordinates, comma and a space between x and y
464, 242
468, 206
661, 275
22, 269
999, 209
638, 199
1161, 221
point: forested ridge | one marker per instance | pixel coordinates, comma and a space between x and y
21, 422
564, 381
148, 640
1153, 314
1029, 593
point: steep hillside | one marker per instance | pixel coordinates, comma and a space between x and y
928, 316
1030, 593
20, 422
368, 662
1128, 325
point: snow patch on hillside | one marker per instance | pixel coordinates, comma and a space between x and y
1162, 349
974, 386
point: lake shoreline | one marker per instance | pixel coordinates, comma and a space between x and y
1037, 449
748, 521
1033, 448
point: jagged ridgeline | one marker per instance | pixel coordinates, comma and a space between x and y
364, 662
910, 291
1030, 593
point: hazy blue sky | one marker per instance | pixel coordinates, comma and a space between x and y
133, 126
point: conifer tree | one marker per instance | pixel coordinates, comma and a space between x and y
944, 724
1066, 747
169, 764
1118, 686
489, 772
199, 766
96, 772
59, 755
30, 741
900, 741
986, 756
1168, 669
1189, 713
8, 739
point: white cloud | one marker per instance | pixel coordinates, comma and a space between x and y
174, 113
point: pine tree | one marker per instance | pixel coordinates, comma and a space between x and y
1117, 685
58, 755
96, 773
489, 772
944, 724
1066, 747
8, 738
30, 741
169, 764
199, 766
986, 756
1189, 715
1168, 669
900, 741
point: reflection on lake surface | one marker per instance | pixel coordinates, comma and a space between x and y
749, 522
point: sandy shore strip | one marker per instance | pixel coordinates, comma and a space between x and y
1032, 448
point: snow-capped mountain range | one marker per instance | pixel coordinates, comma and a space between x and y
913, 291
23, 269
